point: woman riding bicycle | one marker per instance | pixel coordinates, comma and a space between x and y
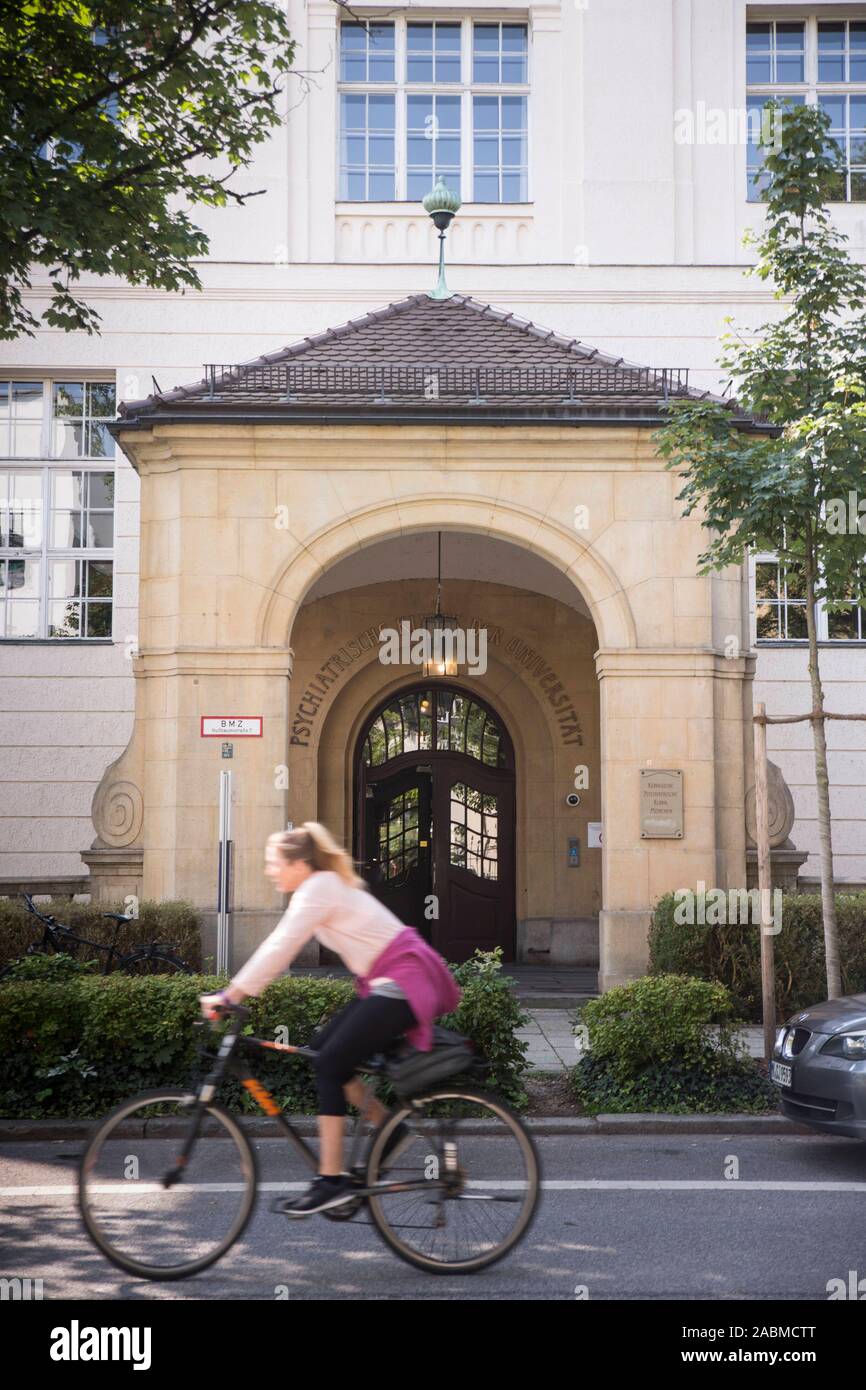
402, 985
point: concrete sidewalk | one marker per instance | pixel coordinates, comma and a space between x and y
536, 986
552, 1042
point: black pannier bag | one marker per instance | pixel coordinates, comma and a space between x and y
411, 1071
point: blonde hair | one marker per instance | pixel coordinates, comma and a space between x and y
315, 845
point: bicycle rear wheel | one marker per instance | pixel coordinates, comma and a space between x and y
146, 962
159, 1232
476, 1177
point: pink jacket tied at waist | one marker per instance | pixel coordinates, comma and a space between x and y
425, 979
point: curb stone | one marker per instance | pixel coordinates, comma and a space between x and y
34, 1131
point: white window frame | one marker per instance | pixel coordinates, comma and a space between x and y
45, 465
810, 88
400, 88
770, 557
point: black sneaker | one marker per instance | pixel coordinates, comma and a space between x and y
398, 1141
322, 1193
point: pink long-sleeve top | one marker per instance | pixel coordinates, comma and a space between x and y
370, 940
347, 920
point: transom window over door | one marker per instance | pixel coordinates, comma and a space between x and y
424, 98
442, 720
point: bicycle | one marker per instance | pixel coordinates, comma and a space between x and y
157, 958
422, 1215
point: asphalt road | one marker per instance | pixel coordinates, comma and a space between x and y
620, 1218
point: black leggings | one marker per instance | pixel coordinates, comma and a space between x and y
364, 1027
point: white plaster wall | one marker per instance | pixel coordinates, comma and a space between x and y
782, 683
631, 242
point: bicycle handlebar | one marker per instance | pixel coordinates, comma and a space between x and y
31, 907
240, 1012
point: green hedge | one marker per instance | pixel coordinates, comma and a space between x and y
732, 954
667, 1043
76, 1047
172, 922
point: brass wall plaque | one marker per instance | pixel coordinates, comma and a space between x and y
661, 804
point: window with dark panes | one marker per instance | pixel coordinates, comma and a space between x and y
848, 624
398, 835
780, 606
780, 596
461, 725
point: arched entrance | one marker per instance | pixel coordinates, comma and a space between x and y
434, 822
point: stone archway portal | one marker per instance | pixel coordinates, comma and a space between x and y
434, 823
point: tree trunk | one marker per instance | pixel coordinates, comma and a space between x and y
822, 783
765, 886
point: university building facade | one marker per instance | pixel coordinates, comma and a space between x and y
234, 546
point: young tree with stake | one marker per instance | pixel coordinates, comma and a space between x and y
804, 377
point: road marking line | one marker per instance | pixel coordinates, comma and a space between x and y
550, 1185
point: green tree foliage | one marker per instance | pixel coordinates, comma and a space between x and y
804, 376
116, 119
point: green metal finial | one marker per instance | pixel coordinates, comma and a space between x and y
441, 205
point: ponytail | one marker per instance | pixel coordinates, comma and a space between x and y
315, 845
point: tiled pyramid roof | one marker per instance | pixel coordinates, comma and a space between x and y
426, 357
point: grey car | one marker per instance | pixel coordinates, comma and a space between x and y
819, 1066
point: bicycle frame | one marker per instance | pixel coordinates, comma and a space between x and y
59, 937
228, 1064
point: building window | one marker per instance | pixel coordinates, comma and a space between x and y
818, 61
368, 172
56, 522
407, 725
499, 149
848, 128
474, 831
81, 411
775, 52
21, 413
780, 607
416, 103
433, 52
432, 144
841, 50
398, 836
499, 53
367, 52
849, 623
780, 602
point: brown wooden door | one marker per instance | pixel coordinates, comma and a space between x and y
473, 858
435, 818
399, 851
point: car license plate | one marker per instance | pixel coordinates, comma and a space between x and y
782, 1075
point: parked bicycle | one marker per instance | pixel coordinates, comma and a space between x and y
155, 958
456, 1195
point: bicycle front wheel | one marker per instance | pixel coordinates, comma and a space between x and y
466, 1183
144, 1227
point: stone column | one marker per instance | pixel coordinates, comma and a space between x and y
666, 709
